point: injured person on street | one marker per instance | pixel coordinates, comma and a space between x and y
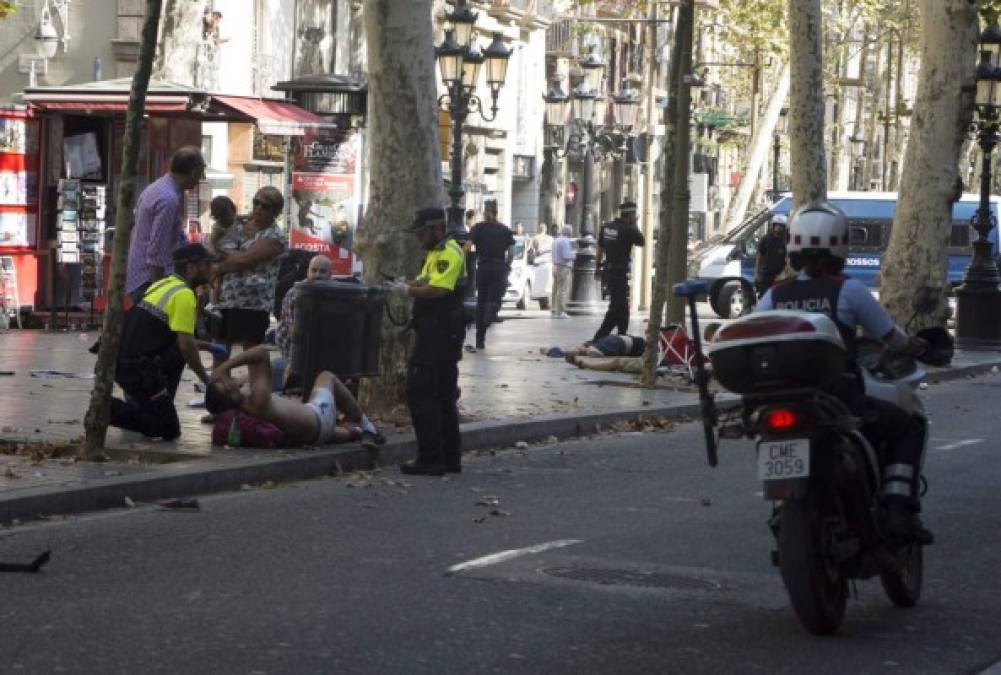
618, 353
311, 423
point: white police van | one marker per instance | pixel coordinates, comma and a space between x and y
727, 262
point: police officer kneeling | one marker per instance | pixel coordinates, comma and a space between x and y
439, 331
818, 246
157, 340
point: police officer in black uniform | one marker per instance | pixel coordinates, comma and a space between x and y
771, 259
615, 247
439, 330
493, 242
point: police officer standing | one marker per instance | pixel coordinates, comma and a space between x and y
771, 259
439, 330
615, 247
493, 242
157, 340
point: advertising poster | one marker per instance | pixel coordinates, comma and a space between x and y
18, 182
324, 201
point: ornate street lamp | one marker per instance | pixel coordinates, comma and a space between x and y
780, 131
978, 300
590, 138
460, 62
461, 21
627, 105
858, 152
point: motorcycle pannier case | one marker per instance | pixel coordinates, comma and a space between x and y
777, 350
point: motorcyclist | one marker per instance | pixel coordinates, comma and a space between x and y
818, 246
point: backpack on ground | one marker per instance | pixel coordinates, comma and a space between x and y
239, 430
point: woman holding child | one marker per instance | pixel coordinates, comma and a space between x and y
250, 252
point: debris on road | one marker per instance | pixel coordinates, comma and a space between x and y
129, 503
32, 567
190, 505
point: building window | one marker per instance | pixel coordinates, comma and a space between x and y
207, 149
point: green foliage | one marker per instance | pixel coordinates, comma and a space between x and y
757, 24
6, 8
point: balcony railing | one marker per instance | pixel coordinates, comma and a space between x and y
560, 38
540, 9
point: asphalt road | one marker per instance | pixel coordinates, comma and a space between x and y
655, 564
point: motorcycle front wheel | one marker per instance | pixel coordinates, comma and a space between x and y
817, 593
903, 585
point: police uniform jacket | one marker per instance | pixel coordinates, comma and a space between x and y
438, 323
617, 239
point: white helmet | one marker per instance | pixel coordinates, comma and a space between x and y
819, 227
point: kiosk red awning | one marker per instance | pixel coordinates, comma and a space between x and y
107, 106
278, 118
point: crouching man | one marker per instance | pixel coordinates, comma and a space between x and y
312, 423
157, 341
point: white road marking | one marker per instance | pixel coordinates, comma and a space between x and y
960, 444
504, 556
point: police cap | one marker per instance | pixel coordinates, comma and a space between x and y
428, 218
627, 207
192, 253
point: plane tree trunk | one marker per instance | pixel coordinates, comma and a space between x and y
917, 254
99, 411
404, 171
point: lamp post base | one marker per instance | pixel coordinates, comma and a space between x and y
978, 301
585, 288
978, 315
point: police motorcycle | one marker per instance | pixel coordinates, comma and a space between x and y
821, 474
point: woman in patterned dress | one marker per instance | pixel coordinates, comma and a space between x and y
251, 257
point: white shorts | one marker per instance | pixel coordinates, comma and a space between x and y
322, 403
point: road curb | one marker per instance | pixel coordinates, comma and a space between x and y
958, 373
228, 472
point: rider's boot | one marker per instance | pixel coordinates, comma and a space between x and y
902, 522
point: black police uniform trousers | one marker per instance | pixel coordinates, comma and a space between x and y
491, 284
617, 316
903, 435
150, 384
433, 387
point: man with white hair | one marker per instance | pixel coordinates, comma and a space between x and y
563, 257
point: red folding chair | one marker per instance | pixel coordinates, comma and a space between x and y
677, 350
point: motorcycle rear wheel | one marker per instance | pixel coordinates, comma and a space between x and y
818, 599
903, 587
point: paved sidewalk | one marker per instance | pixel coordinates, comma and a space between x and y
510, 392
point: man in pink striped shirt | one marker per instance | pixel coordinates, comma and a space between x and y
159, 224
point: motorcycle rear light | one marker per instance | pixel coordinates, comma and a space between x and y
763, 326
781, 419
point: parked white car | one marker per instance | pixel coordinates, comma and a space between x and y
529, 281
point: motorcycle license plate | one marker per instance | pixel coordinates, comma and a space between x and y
787, 458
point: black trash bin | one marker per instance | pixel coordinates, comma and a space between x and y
337, 328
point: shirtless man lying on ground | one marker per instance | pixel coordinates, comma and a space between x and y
312, 423
610, 353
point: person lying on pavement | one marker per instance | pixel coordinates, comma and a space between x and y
311, 423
